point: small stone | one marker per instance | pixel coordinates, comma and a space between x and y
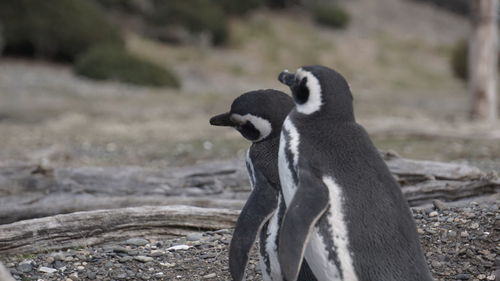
464, 234
137, 241
45, 269
91, 275
25, 267
436, 264
157, 253
178, 247
59, 264
481, 277
208, 276
159, 274
463, 276
125, 259
194, 236
58, 256
474, 225
132, 252
74, 276
208, 256
491, 277
119, 249
439, 205
433, 214
49, 260
80, 268
452, 233
143, 258
167, 264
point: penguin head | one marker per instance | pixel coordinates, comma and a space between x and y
257, 115
319, 89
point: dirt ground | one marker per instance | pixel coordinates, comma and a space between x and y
397, 65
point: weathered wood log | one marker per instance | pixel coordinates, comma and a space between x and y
82, 229
30, 191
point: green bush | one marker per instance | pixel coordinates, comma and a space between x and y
114, 63
239, 7
330, 14
196, 15
54, 29
459, 60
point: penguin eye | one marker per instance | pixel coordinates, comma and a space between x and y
301, 92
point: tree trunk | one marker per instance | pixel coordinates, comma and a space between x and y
483, 58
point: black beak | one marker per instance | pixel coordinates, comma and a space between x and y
221, 120
287, 78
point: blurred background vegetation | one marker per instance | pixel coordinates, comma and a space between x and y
134, 82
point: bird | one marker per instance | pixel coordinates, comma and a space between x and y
258, 116
344, 210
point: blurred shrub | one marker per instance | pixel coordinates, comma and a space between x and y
55, 29
107, 62
330, 14
459, 60
239, 7
461, 7
280, 4
196, 15
130, 7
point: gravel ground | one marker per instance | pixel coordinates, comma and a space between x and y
460, 244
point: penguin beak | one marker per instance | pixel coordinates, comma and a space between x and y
287, 78
222, 120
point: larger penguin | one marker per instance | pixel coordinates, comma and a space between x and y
345, 212
258, 116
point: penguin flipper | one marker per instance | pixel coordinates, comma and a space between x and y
309, 203
260, 206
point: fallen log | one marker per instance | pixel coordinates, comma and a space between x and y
30, 191
83, 229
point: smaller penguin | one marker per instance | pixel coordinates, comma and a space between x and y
258, 116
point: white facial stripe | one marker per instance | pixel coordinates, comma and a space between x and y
262, 125
340, 237
314, 101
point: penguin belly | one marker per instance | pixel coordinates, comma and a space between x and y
317, 253
323, 244
269, 263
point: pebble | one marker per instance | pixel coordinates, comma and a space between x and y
47, 269
433, 214
24, 267
143, 258
167, 264
194, 236
137, 241
455, 251
178, 247
474, 225
463, 276
208, 276
91, 275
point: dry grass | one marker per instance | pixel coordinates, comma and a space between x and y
397, 66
